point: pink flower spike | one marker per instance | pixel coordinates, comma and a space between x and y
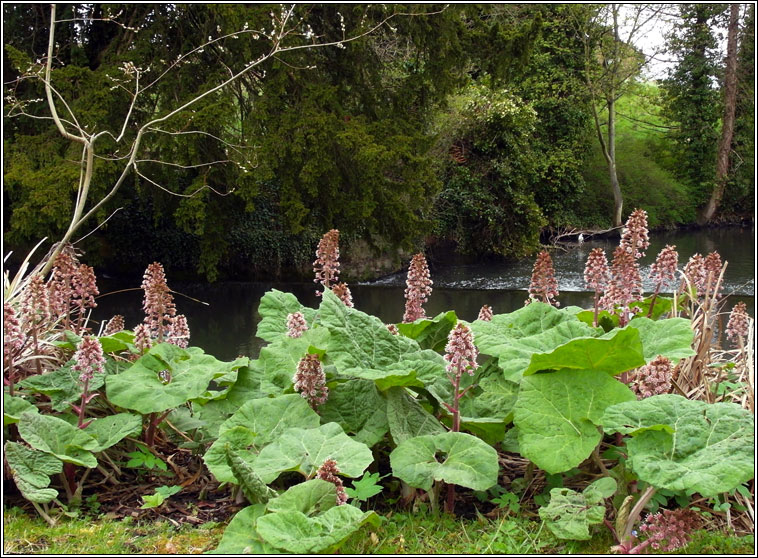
179, 332
663, 271
310, 380
653, 379
485, 314
114, 325
343, 293
327, 265
596, 272
738, 322
158, 303
634, 237
418, 289
543, 285
89, 359
296, 325
460, 351
328, 472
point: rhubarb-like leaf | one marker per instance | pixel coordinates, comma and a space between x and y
13, 407
165, 377
274, 308
62, 385
254, 489
111, 429
452, 457
671, 338
407, 418
295, 532
616, 352
31, 470
311, 497
240, 536
557, 415
430, 333
682, 444
59, 438
537, 328
570, 514
305, 450
268, 417
359, 408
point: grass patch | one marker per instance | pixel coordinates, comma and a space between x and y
403, 532
25, 534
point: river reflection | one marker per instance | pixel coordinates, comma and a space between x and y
225, 326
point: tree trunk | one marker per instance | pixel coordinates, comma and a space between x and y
618, 200
730, 102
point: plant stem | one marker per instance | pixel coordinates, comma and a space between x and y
634, 515
652, 300
43, 514
597, 300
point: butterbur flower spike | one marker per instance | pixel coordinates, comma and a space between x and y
418, 289
158, 303
142, 340
310, 380
179, 334
296, 324
343, 293
114, 325
663, 271
696, 273
460, 351
670, 529
327, 265
596, 272
653, 379
89, 358
35, 302
737, 328
392, 328
485, 314
12, 338
634, 238
543, 285
328, 472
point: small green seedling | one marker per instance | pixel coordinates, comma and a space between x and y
507, 501
366, 487
162, 493
143, 457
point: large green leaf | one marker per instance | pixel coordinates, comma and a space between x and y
240, 536
671, 338
537, 328
110, 430
452, 457
254, 425
557, 414
495, 397
295, 532
31, 470
407, 418
141, 388
268, 417
274, 308
570, 514
59, 438
305, 450
615, 352
680, 444
13, 407
430, 333
310, 497
62, 385
359, 408
239, 438
254, 489
359, 341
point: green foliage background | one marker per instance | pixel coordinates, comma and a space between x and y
470, 127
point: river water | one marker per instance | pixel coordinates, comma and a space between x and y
224, 324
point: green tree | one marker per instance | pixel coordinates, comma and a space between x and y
691, 98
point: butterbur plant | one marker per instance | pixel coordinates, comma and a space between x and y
418, 289
666, 530
343, 293
179, 333
158, 303
327, 265
652, 379
543, 285
663, 271
485, 314
596, 275
13, 341
461, 354
89, 360
296, 325
114, 325
142, 340
310, 381
328, 472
